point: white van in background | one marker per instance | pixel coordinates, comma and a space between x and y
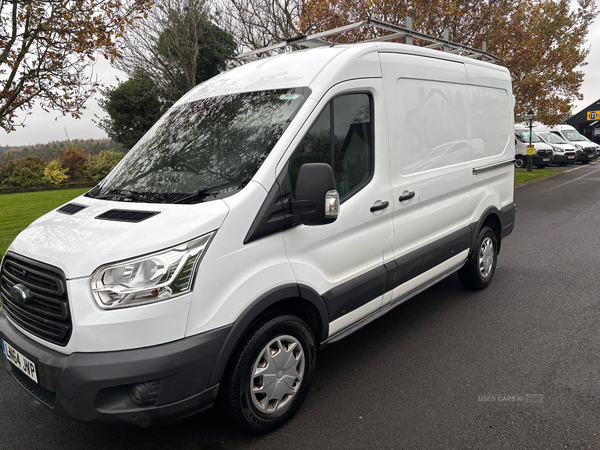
564, 152
543, 155
275, 208
586, 150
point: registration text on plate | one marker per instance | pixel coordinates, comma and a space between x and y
21, 362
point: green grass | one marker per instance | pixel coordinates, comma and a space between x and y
20, 209
522, 176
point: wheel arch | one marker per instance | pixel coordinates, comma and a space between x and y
292, 298
491, 217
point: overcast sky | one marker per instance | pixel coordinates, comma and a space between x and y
42, 127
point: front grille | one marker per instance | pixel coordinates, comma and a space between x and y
45, 313
590, 151
544, 153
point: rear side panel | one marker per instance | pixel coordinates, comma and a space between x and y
493, 142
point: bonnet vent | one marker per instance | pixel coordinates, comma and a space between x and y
71, 208
123, 215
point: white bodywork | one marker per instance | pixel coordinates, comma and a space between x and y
521, 147
416, 93
584, 142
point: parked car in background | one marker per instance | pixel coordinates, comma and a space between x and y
564, 153
593, 143
586, 151
543, 152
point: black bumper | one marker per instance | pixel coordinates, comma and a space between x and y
538, 160
94, 386
561, 159
583, 156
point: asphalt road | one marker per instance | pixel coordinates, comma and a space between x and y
417, 377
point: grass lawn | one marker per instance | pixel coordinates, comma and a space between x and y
20, 209
522, 176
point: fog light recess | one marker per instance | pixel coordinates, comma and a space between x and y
144, 393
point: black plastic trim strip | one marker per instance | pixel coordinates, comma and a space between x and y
357, 292
387, 308
508, 216
429, 256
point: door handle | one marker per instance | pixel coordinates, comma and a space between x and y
408, 196
379, 207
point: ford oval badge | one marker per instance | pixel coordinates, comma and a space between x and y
20, 294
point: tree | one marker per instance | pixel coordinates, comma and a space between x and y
542, 42
47, 47
55, 173
73, 159
100, 165
177, 46
27, 171
256, 23
132, 109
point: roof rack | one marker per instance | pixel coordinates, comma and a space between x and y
315, 40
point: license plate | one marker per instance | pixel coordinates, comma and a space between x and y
546, 159
21, 362
571, 157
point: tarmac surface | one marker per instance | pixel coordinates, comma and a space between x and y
514, 366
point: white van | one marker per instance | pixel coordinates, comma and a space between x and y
276, 208
564, 152
543, 155
586, 150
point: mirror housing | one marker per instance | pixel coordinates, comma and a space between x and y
317, 201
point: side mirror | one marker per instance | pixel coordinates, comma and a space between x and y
317, 202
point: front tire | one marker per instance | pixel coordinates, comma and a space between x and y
520, 162
479, 270
269, 376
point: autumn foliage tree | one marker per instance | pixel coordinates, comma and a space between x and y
541, 42
48, 46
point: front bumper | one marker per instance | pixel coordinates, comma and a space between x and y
94, 386
583, 156
562, 158
538, 160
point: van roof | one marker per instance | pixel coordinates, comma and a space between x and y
318, 68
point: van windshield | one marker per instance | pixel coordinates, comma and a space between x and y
572, 135
205, 149
552, 138
523, 136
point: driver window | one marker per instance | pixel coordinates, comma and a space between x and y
341, 137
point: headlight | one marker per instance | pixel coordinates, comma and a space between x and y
558, 149
578, 147
151, 278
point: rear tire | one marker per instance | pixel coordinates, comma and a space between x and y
270, 374
479, 270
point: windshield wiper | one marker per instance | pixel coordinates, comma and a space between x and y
128, 197
205, 192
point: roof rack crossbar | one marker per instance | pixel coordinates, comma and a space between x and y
314, 40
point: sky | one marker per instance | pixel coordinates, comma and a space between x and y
42, 127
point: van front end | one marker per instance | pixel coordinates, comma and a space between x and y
94, 312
